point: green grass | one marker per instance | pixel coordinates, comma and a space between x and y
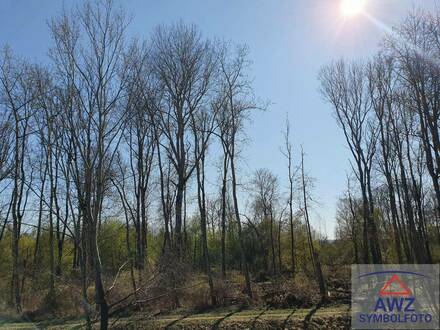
322, 318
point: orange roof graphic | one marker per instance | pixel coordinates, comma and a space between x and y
390, 290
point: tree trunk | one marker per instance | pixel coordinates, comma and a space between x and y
313, 254
223, 220
237, 218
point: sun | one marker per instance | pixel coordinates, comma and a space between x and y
351, 8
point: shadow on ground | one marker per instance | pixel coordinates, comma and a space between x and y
216, 325
307, 319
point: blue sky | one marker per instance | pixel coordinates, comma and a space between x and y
289, 41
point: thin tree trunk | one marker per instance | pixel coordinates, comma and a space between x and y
272, 243
202, 208
237, 218
314, 256
40, 216
223, 220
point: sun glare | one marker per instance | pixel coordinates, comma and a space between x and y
350, 8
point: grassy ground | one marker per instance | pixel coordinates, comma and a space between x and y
327, 317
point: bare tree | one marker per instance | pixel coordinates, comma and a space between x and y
142, 98
344, 86
203, 126
184, 64
238, 102
313, 254
224, 134
288, 153
265, 190
88, 56
16, 96
381, 87
414, 45
6, 165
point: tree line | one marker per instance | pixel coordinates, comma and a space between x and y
388, 110
113, 129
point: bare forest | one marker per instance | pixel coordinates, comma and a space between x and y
121, 185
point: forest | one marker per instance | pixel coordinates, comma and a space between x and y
121, 191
